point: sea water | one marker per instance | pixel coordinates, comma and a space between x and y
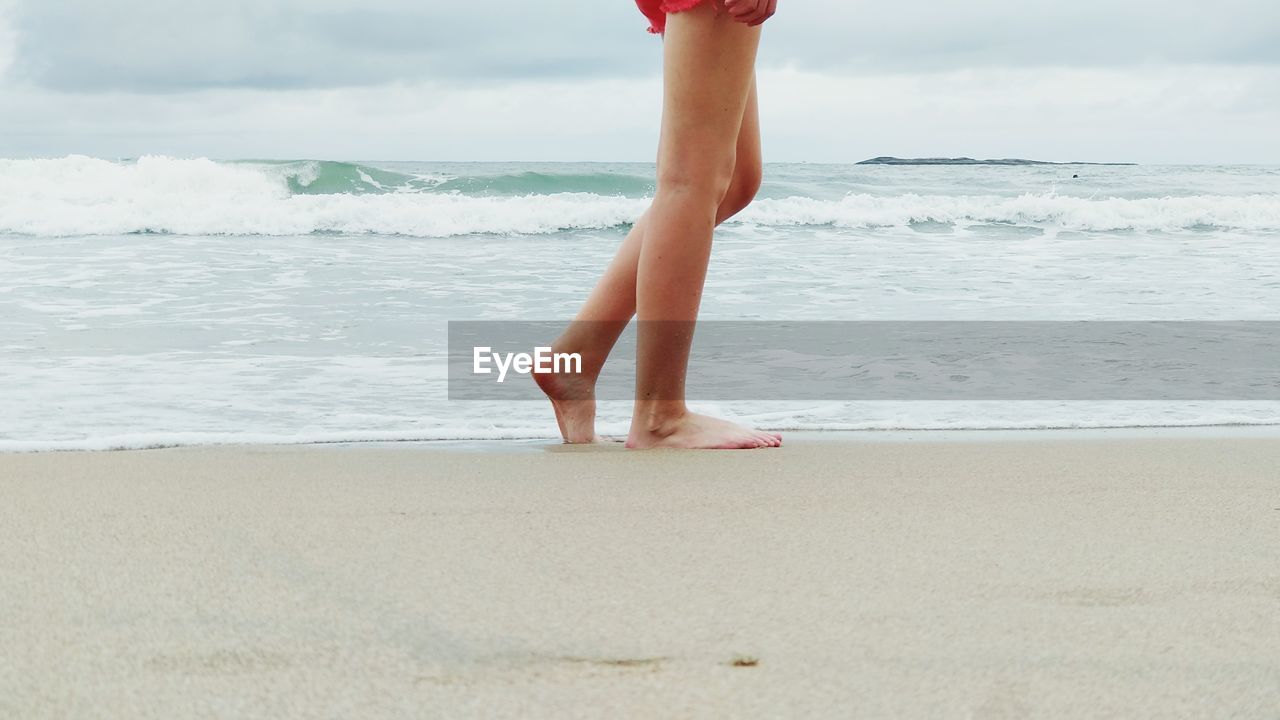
161, 301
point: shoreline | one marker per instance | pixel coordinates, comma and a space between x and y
125, 444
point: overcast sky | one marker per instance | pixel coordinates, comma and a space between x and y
841, 80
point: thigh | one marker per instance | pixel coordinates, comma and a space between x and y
708, 73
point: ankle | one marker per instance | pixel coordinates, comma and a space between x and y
583, 368
566, 386
659, 419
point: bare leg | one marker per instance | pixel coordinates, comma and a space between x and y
708, 72
592, 334
612, 303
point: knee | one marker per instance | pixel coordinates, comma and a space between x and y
705, 187
742, 190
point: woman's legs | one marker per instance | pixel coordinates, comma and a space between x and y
606, 312
683, 159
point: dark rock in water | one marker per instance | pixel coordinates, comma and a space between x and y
885, 160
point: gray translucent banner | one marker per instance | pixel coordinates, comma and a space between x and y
881, 360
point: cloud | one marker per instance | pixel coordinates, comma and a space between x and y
1168, 81
166, 46
936, 35
1170, 114
1147, 114
8, 40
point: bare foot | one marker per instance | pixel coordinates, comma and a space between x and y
693, 431
573, 397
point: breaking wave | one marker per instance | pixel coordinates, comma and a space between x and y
82, 196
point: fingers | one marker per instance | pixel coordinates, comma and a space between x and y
741, 10
771, 7
751, 12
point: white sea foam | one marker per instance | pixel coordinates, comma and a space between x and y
78, 196
1250, 212
532, 424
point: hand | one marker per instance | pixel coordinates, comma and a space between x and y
751, 12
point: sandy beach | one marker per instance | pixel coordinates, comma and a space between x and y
1057, 576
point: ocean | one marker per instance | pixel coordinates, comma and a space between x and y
163, 301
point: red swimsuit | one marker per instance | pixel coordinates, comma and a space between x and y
656, 11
